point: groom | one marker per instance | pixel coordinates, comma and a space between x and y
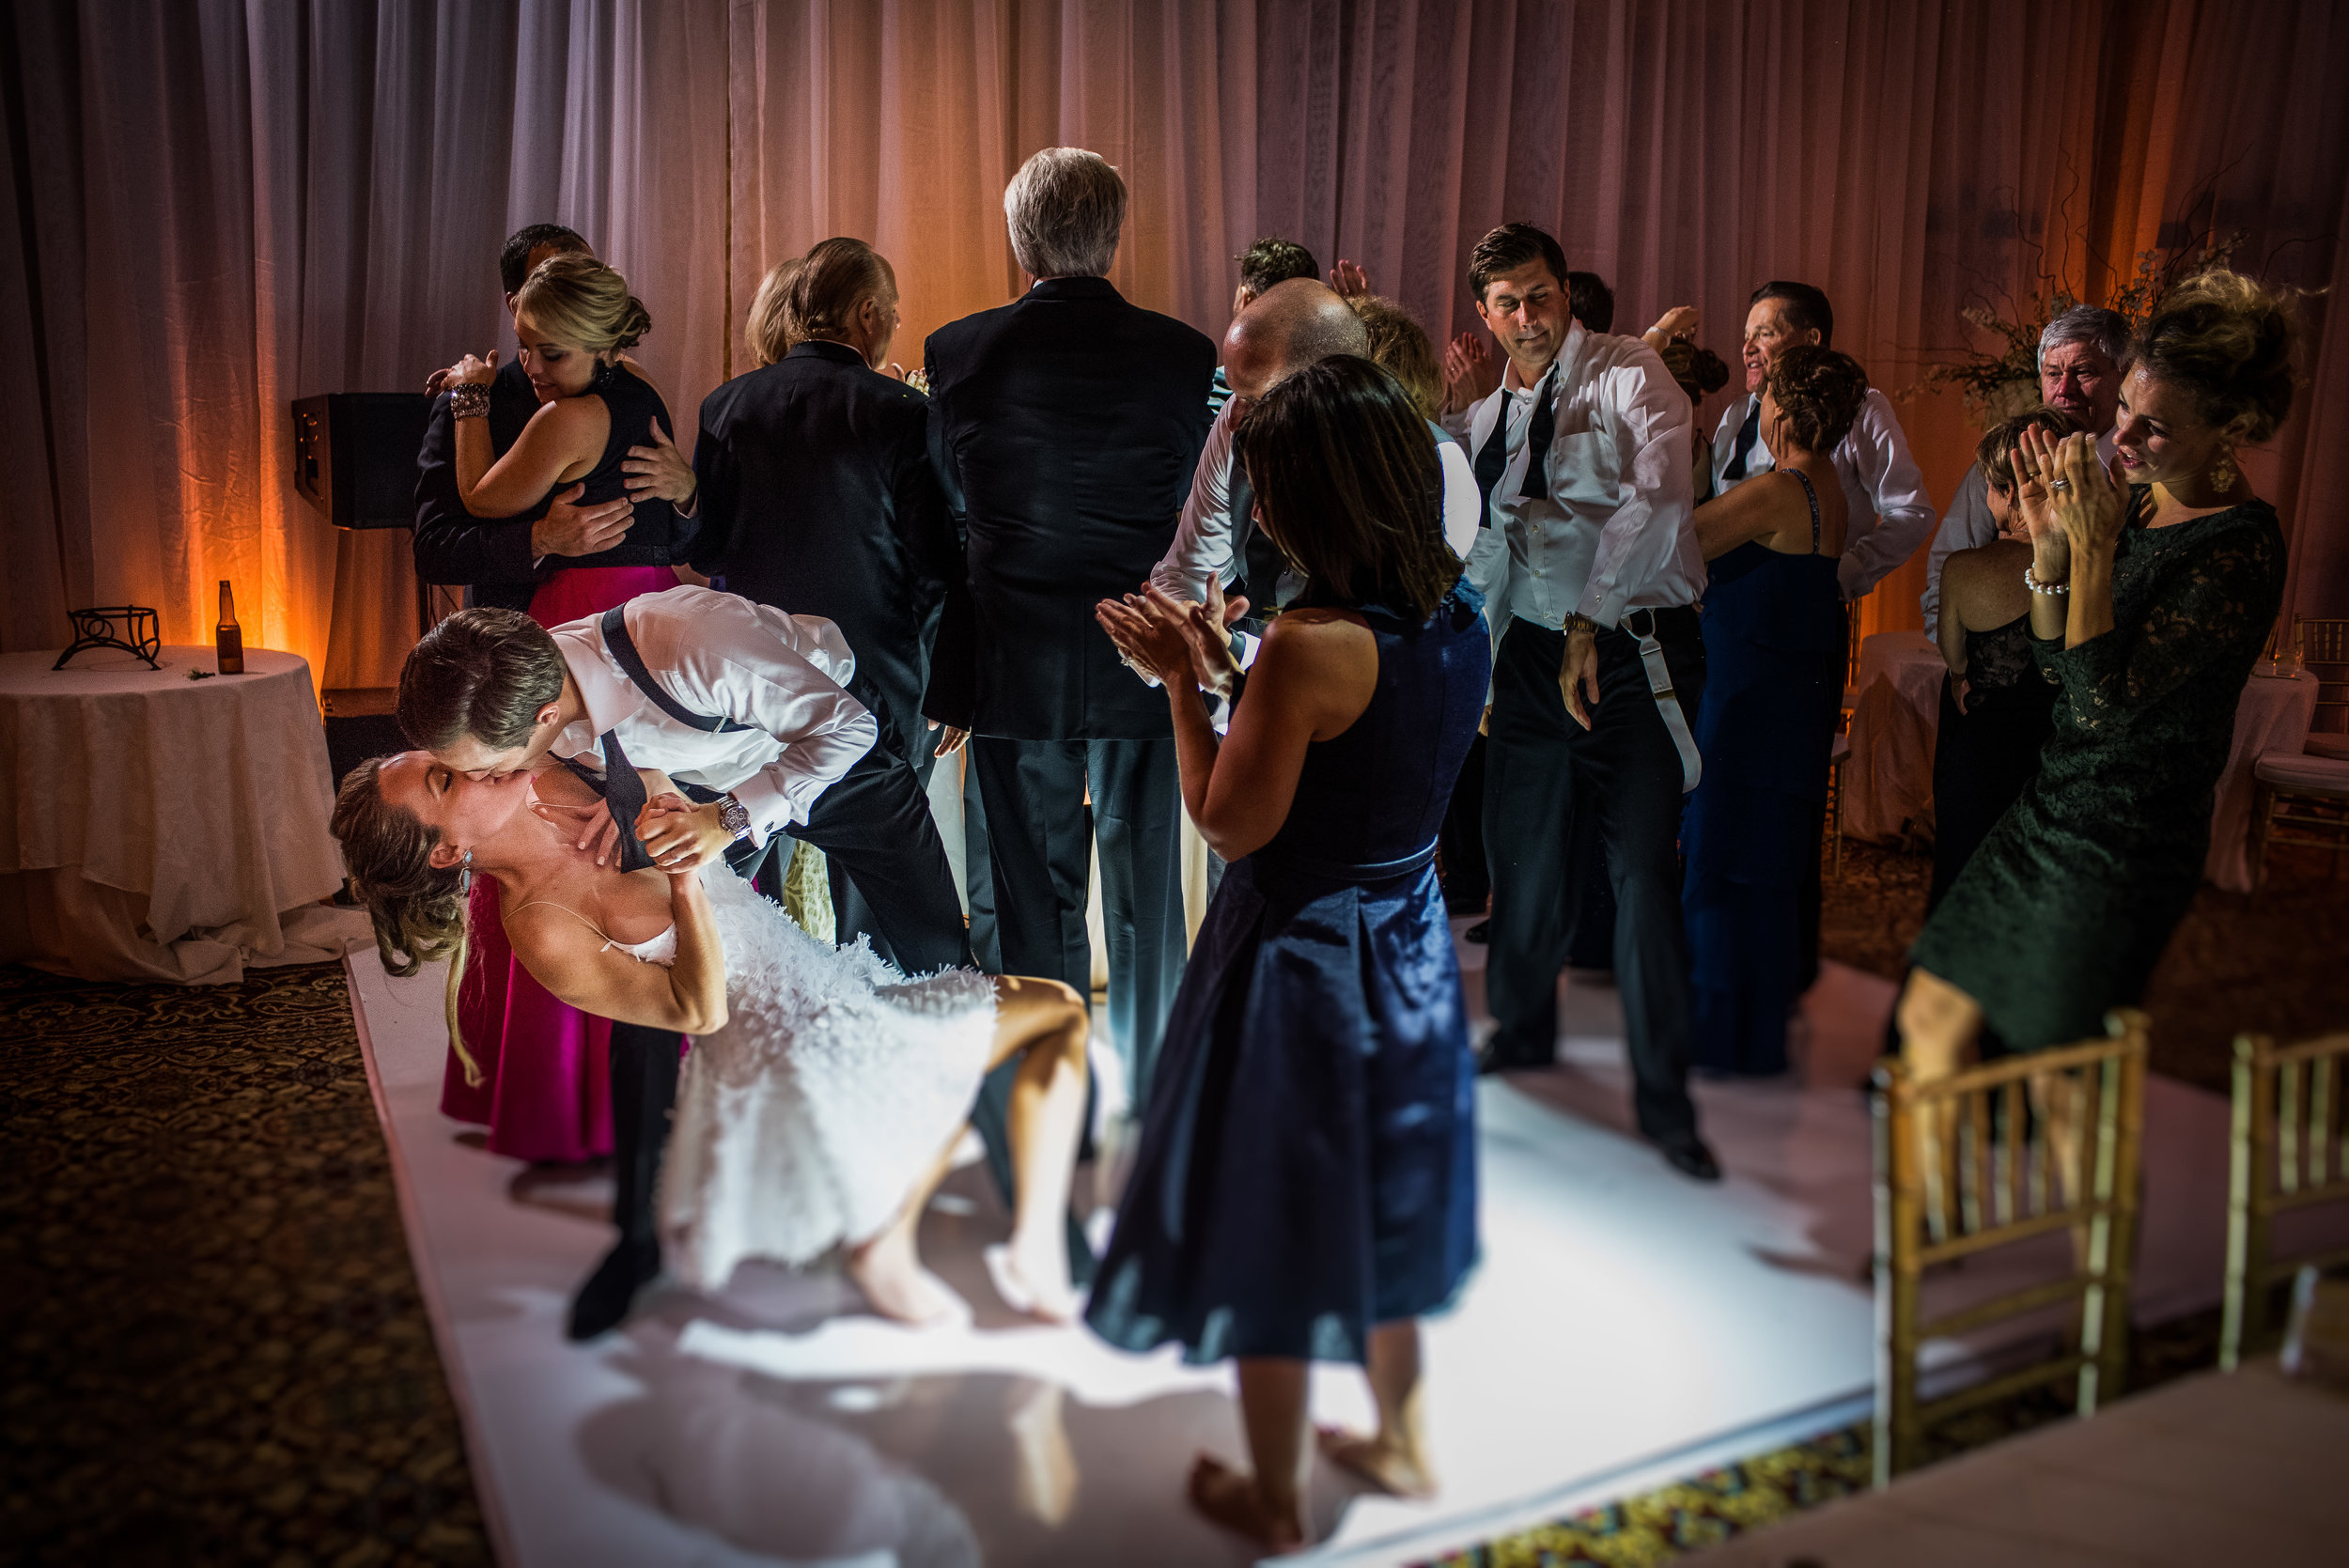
761, 717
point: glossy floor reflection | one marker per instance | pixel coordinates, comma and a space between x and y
1626, 1326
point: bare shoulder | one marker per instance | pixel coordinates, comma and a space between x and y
1319, 635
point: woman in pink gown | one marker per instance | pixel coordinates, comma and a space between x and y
532, 1069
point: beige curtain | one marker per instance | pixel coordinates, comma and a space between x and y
223, 206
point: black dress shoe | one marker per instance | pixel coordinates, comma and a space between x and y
1480, 932
603, 1301
1692, 1159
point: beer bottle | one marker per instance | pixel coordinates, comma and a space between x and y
229, 639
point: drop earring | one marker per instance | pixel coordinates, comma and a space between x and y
2222, 473
464, 875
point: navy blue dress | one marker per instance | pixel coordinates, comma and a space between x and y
1308, 1164
1773, 687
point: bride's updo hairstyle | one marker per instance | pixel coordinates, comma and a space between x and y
835, 277
418, 909
579, 300
2227, 340
1353, 492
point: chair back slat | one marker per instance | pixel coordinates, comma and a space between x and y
1991, 1157
2289, 1150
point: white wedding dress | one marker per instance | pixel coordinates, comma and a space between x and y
833, 1088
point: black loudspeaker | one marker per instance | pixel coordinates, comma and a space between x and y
360, 724
355, 456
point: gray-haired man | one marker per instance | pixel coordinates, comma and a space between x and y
1066, 427
2080, 355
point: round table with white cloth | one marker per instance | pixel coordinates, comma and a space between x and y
157, 828
1888, 779
2274, 716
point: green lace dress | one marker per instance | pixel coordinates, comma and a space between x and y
2063, 910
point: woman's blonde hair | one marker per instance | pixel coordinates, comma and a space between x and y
772, 329
579, 300
2226, 339
1400, 346
418, 909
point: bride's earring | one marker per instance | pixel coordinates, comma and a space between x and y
2222, 473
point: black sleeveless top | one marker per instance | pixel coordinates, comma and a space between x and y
658, 537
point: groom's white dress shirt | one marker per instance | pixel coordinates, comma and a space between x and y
721, 656
1891, 513
1609, 529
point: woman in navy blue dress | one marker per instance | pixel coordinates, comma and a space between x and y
1306, 1184
1774, 684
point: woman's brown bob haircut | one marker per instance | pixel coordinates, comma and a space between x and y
482, 672
1346, 471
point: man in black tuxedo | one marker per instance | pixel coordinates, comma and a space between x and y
817, 496
504, 559
1066, 427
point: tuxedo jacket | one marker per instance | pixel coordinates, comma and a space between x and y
817, 497
1064, 427
451, 544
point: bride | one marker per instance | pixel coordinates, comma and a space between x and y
824, 1090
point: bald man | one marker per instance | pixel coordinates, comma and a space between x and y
1289, 326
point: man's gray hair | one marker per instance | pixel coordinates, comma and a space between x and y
2106, 331
1064, 208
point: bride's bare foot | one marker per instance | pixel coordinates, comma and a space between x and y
1034, 1280
896, 1285
1385, 1465
1230, 1497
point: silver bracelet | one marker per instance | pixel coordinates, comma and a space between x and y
2038, 587
469, 400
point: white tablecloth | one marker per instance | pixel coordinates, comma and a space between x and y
1888, 779
2275, 716
155, 828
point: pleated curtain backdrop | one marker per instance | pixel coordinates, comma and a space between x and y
223, 206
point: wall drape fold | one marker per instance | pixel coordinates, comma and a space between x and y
223, 205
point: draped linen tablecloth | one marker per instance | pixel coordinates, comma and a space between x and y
2274, 716
1888, 779
155, 828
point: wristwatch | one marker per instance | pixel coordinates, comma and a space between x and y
733, 816
1577, 621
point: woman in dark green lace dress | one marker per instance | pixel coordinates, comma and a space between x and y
2149, 606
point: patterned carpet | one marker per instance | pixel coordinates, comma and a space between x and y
216, 1349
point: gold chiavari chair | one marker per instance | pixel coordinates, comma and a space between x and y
2291, 1151
2019, 1148
2322, 645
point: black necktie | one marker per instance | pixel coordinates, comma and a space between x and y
624, 798
1492, 459
1746, 434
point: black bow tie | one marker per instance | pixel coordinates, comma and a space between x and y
624, 798
1492, 459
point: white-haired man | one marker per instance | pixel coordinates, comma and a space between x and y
1066, 426
2080, 355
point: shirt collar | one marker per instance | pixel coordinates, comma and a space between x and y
607, 696
1566, 352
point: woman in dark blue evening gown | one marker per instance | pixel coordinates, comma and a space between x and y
1774, 683
1305, 1188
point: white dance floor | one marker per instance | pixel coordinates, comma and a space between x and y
1627, 1327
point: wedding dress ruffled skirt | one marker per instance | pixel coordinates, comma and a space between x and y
833, 1088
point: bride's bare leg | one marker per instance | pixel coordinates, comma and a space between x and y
1044, 1023
888, 1268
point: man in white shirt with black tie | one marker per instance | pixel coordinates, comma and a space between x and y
1891, 513
1591, 574
2079, 375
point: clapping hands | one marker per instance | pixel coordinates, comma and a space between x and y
1169, 638
2068, 502
1469, 372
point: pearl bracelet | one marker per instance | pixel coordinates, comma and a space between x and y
2038, 587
